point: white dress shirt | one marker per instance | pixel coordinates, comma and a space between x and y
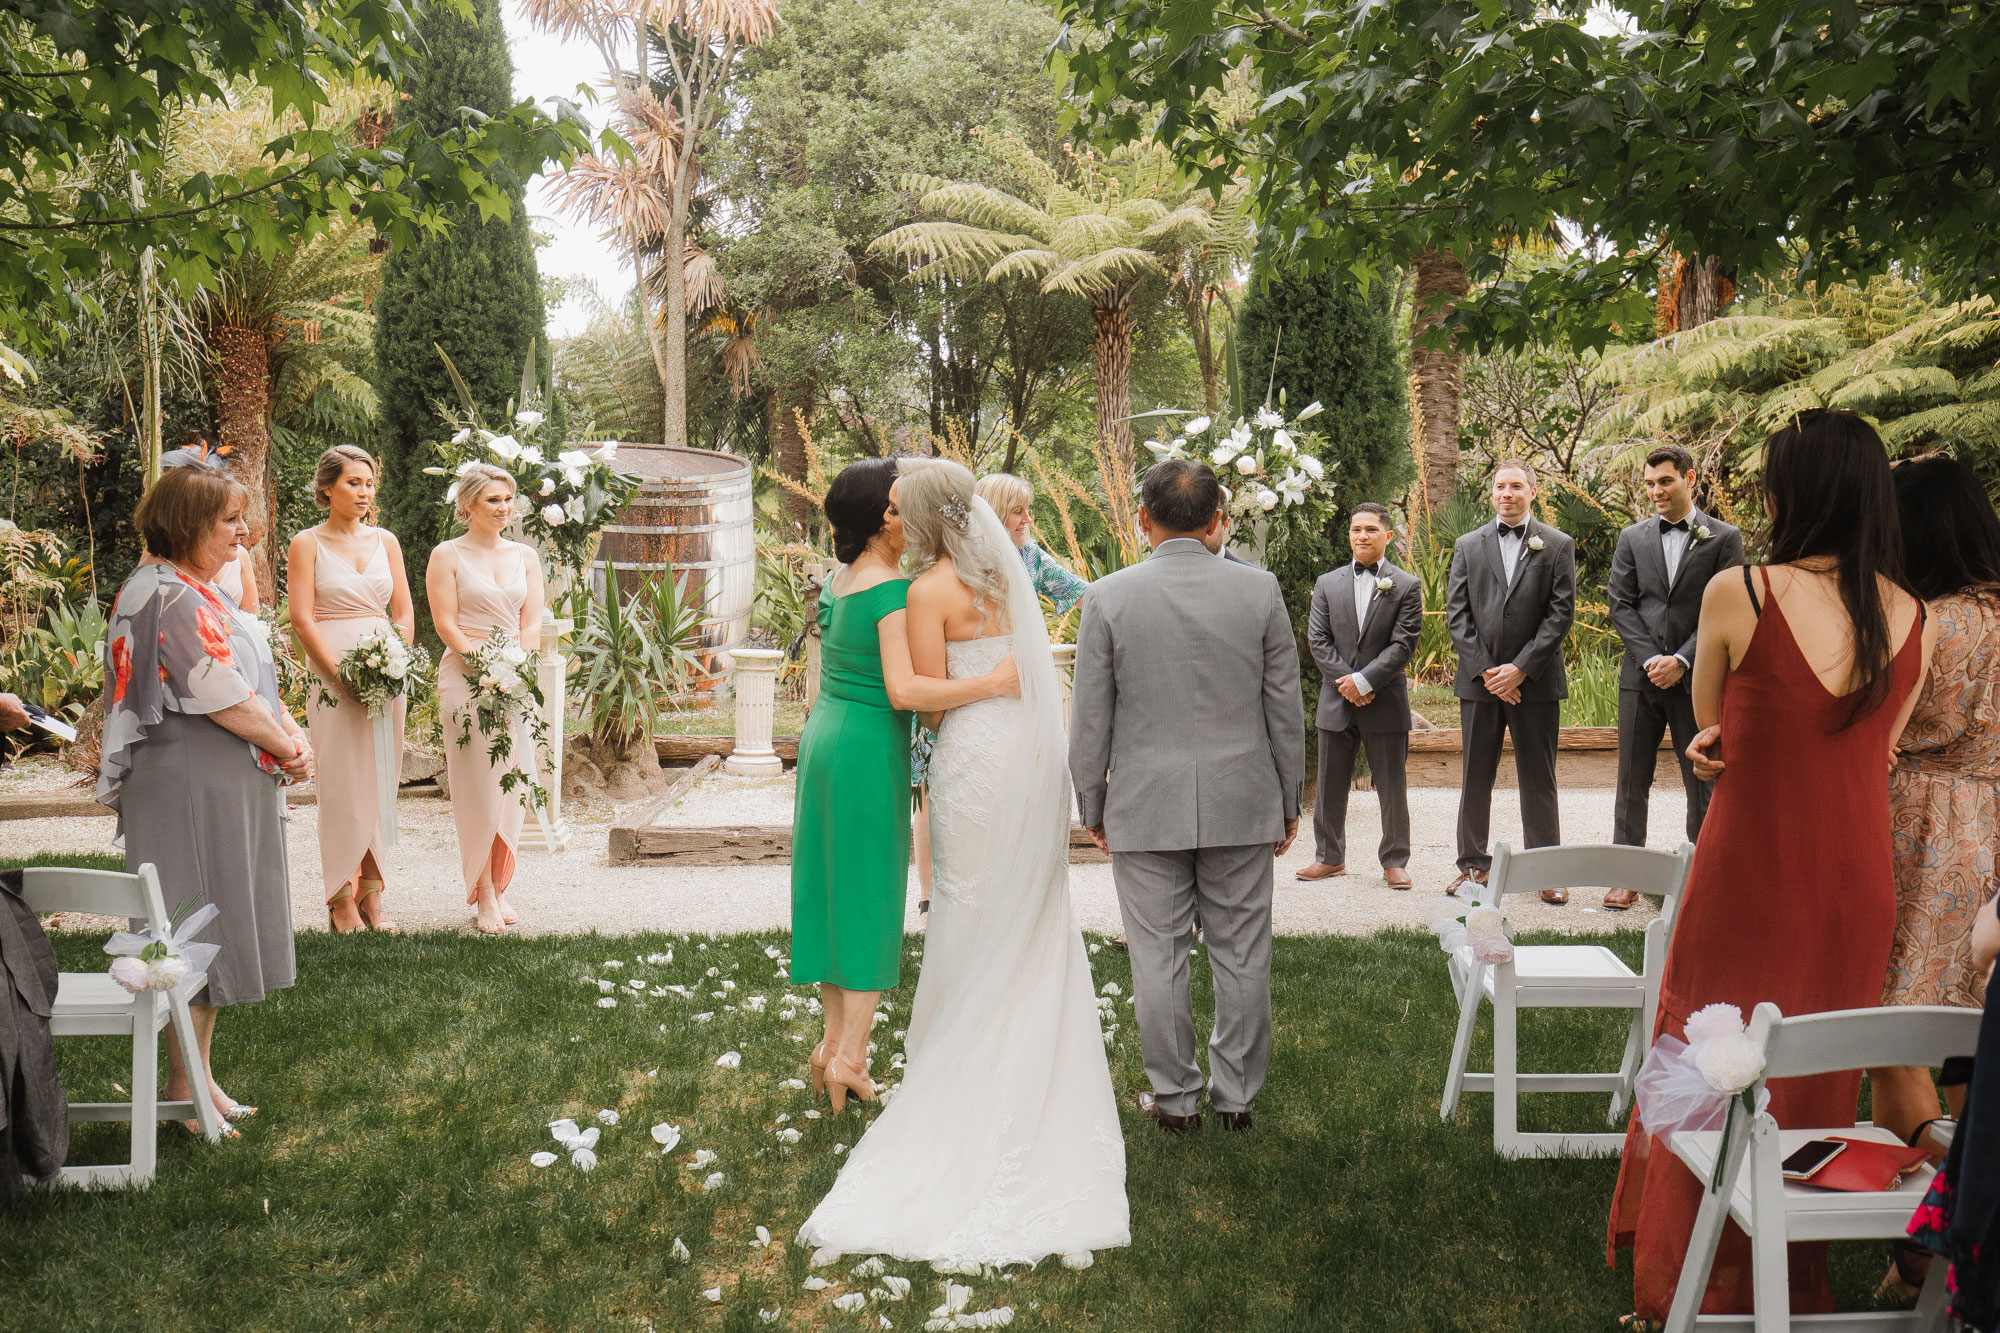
1364, 593
1674, 544
1511, 546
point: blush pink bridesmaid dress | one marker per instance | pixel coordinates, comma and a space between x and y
348, 606
488, 819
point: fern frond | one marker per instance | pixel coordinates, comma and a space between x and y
1896, 392
1087, 234
987, 208
1961, 428
1102, 272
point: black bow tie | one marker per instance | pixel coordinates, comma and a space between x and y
1667, 526
1369, 571
1506, 531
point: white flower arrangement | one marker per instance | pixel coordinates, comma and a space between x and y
1701, 532
1274, 461
1536, 543
1481, 929
142, 963
506, 691
1385, 585
379, 669
1689, 1085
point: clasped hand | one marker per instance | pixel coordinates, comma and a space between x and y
1705, 753
1006, 679
1665, 671
1352, 692
1503, 682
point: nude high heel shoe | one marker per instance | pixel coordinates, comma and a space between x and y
372, 917
345, 895
818, 1061
839, 1084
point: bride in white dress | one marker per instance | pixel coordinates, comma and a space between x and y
1002, 1145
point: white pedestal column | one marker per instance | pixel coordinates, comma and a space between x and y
1065, 656
554, 680
756, 672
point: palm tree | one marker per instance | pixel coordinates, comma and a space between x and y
668, 64
1100, 232
1437, 377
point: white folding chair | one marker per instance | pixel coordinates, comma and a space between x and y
1774, 1212
91, 1004
1562, 976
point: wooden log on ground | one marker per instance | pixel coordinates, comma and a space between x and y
624, 847
712, 845
683, 751
55, 805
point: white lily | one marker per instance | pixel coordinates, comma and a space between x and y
1282, 440
1312, 409
505, 446
464, 434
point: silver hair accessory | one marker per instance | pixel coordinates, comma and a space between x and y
954, 510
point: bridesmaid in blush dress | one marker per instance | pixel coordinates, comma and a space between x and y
345, 582
480, 583
1805, 672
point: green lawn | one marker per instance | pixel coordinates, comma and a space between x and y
405, 1081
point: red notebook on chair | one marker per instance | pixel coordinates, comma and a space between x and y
1867, 1166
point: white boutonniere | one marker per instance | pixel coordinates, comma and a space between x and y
1535, 543
1385, 584
1701, 532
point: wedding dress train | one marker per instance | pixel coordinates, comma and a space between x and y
1002, 1145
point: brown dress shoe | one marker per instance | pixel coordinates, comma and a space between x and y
1465, 877
1234, 1121
1396, 877
1171, 1124
1618, 900
1556, 897
1320, 870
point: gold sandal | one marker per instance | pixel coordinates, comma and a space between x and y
372, 888
345, 895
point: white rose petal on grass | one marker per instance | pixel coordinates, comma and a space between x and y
868, 1268
702, 1157
1112, 988
789, 1136
763, 1237
839, 1148
899, 1287
542, 1158
660, 959
714, 1182
956, 1298
773, 951
607, 1117
1730, 1063
712, 1294
680, 1251
884, 1321
812, 1115
583, 1159
730, 1060
794, 1085
703, 1018
849, 1303
668, 1136
771, 1316
607, 1003
815, 1284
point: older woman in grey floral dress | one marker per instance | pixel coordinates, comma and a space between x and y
196, 743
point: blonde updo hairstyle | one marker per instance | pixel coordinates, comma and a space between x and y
937, 500
474, 484
1004, 491
332, 467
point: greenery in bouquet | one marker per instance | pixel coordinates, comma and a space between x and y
507, 693
1269, 462
380, 669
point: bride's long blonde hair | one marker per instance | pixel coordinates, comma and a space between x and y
936, 499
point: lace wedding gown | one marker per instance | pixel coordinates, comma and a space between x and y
1002, 1145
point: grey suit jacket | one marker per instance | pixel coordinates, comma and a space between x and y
1494, 622
1379, 647
1657, 617
1186, 727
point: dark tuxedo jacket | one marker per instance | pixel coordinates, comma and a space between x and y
1379, 647
1494, 622
1656, 617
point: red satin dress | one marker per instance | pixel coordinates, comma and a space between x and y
1791, 899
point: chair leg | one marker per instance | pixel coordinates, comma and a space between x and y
1770, 1267
1506, 1088
1461, 1046
1707, 1235
145, 1095
1628, 1068
1931, 1312
205, 1115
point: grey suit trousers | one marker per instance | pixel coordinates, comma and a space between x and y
1388, 764
1643, 717
1484, 724
1158, 893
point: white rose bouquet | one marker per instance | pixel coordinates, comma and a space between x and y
142, 963
1482, 929
1688, 1085
506, 693
379, 669
1270, 463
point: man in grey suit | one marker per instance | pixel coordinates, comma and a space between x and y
1187, 747
1509, 604
1658, 574
1366, 618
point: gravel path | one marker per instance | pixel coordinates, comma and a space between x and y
578, 891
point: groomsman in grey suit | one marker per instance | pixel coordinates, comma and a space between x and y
1658, 573
1509, 604
1366, 618
1187, 747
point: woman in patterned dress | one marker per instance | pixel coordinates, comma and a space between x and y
1944, 793
1010, 497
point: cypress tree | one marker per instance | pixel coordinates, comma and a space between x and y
472, 290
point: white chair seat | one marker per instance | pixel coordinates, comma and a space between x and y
79, 994
1841, 1214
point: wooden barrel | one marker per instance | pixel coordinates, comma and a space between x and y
692, 516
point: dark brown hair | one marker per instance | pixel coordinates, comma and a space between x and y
1370, 507
1520, 465
1951, 536
176, 515
332, 466
1826, 476
1682, 460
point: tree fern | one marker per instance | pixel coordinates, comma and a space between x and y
1896, 392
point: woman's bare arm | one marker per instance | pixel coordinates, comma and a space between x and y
1924, 650
299, 590
926, 694
252, 720
246, 572
530, 636
441, 581
1720, 641
402, 607
928, 610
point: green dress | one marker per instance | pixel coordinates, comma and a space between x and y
851, 817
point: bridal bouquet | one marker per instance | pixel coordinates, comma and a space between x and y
506, 692
1688, 1085
1269, 462
144, 963
1482, 929
379, 670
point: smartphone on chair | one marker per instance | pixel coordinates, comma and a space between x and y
1808, 1158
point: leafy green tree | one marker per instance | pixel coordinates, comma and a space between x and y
1757, 133
89, 180
472, 291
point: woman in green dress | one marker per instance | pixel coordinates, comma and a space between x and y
851, 820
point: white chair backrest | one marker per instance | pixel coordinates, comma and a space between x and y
1923, 1036
98, 892
1600, 866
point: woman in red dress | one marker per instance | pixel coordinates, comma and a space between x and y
1804, 674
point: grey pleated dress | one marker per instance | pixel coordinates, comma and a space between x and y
199, 802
